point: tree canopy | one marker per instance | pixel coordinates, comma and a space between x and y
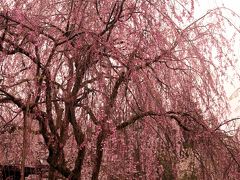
116, 89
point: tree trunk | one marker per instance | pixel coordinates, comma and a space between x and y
25, 143
99, 154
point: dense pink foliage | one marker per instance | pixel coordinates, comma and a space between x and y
115, 89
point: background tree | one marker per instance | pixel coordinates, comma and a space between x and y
116, 89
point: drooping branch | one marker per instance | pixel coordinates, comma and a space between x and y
81, 68
114, 94
135, 118
113, 17
15, 100
5, 100
17, 49
91, 114
141, 115
11, 19
175, 116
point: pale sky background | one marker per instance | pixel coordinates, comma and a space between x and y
201, 8
209, 4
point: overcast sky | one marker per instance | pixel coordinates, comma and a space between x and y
232, 4
201, 8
